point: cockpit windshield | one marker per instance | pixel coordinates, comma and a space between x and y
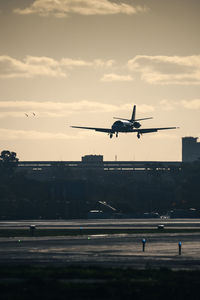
118, 123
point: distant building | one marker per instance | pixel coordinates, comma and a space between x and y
92, 159
190, 149
92, 163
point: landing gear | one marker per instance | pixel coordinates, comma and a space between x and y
138, 135
116, 134
111, 135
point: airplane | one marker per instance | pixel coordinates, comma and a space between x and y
126, 126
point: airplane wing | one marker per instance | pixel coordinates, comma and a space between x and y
107, 130
149, 130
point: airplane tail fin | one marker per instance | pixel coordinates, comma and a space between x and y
133, 119
133, 114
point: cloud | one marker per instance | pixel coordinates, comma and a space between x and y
153, 69
33, 66
72, 63
63, 8
167, 69
191, 104
30, 67
62, 109
115, 77
170, 105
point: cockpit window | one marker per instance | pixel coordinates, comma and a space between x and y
118, 123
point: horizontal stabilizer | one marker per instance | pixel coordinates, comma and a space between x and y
144, 119
121, 119
131, 120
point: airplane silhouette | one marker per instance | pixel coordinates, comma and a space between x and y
126, 126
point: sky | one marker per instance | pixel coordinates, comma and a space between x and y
83, 62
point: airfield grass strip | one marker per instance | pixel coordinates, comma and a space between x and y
78, 282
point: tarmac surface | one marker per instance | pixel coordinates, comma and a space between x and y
104, 223
162, 248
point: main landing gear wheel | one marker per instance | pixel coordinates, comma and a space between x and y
138, 135
116, 134
111, 135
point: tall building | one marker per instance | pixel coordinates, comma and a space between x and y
190, 149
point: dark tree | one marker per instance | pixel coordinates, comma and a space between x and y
8, 157
8, 164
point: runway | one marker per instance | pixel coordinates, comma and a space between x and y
119, 250
103, 223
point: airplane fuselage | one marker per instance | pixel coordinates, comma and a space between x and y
124, 126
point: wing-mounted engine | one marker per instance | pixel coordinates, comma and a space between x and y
136, 125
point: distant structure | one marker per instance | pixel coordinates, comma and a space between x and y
92, 159
190, 149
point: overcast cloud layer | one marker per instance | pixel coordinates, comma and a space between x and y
33, 66
175, 70
63, 8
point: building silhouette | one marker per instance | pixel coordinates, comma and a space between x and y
91, 165
190, 149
